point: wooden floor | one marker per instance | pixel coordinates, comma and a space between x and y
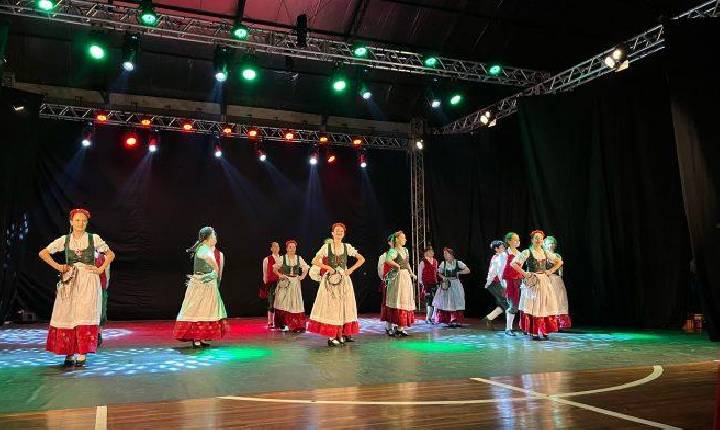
677, 396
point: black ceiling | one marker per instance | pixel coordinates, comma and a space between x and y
531, 34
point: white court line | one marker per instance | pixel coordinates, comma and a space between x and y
377, 402
556, 398
656, 373
101, 418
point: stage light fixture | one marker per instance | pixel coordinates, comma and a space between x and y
323, 138
357, 141
365, 92
97, 49
430, 61
153, 142
495, 69
187, 126
146, 14
87, 135
146, 122
218, 151
289, 135
419, 144
360, 50
313, 160
261, 155
617, 59
338, 79
330, 156
435, 103
221, 63
131, 46
227, 129
487, 119
362, 160
131, 139
239, 31
46, 5
253, 133
101, 116
249, 68
455, 99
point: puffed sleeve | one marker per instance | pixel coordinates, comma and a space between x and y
100, 245
57, 245
391, 254
323, 252
461, 265
351, 251
303, 264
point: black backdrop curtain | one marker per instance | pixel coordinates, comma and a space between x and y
475, 192
693, 71
149, 209
603, 178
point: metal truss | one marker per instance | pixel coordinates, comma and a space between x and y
637, 48
417, 202
281, 42
204, 126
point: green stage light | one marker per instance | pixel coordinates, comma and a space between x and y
249, 74
495, 69
249, 68
241, 32
339, 84
45, 5
430, 61
359, 50
96, 51
148, 17
455, 99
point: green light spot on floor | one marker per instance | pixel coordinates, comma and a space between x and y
240, 353
435, 347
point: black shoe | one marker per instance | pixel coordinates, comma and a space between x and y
545, 337
197, 344
509, 333
537, 338
100, 339
390, 333
203, 344
80, 363
401, 333
69, 363
349, 339
489, 324
333, 342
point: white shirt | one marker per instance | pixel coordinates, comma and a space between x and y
298, 261
58, 245
497, 265
381, 264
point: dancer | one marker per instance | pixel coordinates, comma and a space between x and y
558, 285
76, 312
104, 283
202, 317
400, 294
449, 299
289, 307
494, 284
383, 268
538, 303
513, 280
428, 281
334, 313
267, 290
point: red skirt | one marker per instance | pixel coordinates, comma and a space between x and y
81, 339
186, 331
513, 291
564, 321
399, 317
532, 325
447, 317
294, 321
329, 330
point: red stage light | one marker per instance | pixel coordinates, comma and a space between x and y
145, 122
289, 135
227, 129
331, 158
187, 126
131, 141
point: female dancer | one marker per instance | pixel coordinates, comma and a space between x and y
267, 290
494, 284
383, 268
449, 299
76, 312
289, 306
512, 279
428, 280
202, 316
558, 285
538, 303
400, 294
334, 313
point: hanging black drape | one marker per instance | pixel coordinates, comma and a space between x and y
693, 74
149, 209
475, 192
603, 178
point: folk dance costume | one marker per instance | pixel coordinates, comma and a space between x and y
538, 302
496, 287
429, 284
334, 313
202, 316
400, 295
558, 286
513, 280
449, 299
78, 303
267, 289
288, 305
104, 283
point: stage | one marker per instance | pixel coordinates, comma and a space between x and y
467, 376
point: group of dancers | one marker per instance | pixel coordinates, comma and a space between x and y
536, 292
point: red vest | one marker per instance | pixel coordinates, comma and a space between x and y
271, 276
429, 273
509, 272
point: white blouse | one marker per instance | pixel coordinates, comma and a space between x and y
303, 265
323, 252
551, 256
58, 245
